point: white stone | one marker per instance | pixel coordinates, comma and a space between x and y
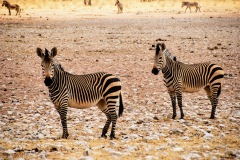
178, 149
86, 158
10, 112
113, 152
10, 151
151, 158
208, 136
191, 156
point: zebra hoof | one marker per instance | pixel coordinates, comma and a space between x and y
65, 136
112, 136
212, 117
173, 117
104, 136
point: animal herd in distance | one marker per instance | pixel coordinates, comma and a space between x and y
104, 90
89, 2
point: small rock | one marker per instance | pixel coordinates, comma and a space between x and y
208, 136
151, 158
152, 137
9, 151
232, 119
116, 153
178, 149
176, 131
86, 158
40, 136
191, 156
10, 112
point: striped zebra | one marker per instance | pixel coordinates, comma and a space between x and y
11, 6
180, 77
191, 4
120, 6
81, 91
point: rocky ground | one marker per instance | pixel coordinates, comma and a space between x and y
120, 44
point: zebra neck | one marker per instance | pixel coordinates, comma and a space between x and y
58, 75
167, 70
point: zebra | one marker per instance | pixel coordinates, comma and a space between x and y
191, 4
81, 91
180, 77
87, 2
11, 6
120, 6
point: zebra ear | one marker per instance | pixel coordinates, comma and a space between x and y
54, 52
157, 48
163, 46
39, 52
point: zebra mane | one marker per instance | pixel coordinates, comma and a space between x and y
58, 65
169, 55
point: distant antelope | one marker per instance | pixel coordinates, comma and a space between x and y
191, 4
120, 6
87, 2
11, 6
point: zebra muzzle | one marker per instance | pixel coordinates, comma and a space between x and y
155, 71
48, 81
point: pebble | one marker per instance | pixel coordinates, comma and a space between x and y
113, 152
86, 158
9, 151
191, 156
10, 112
176, 131
178, 149
151, 158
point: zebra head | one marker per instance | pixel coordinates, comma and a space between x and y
117, 2
4, 3
47, 64
184, 4
159, 58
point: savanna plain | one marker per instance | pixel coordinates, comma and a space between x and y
95, 38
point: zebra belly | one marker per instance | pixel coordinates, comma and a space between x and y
190, 90
74, 104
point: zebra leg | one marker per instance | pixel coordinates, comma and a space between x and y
214, 100
107, 124
102, 106
209, 93
173, 100
62, 110
179, 99
9, 12
114, 121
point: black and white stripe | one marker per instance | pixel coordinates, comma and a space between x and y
81, 91
180, 77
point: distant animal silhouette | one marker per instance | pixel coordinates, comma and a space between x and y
191, 4
11, 7
120, 6
87, 2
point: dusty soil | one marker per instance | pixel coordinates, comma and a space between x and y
96, 40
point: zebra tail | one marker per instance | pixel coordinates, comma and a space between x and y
219, 90
120, 111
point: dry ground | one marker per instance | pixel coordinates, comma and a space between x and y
92, 39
